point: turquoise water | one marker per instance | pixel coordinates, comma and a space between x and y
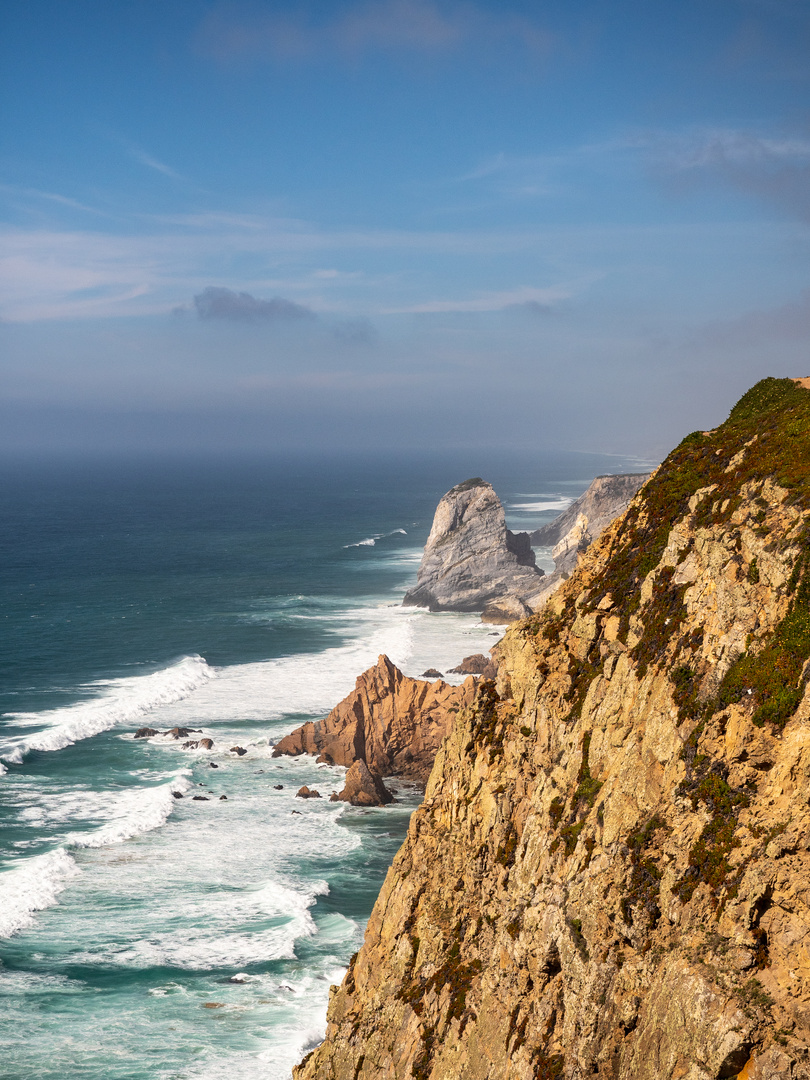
144, 935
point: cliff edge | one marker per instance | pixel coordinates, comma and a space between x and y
610, 873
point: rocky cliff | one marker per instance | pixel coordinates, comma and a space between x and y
610, 875
471, 559
578, 526
393, 723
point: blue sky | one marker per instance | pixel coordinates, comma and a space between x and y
398, 223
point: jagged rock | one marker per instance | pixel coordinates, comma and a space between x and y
182, 732
431, 673
240, 751
362, 788
393, 723
324, 759
477, 664
146, 732
609, 873
593, 511
470, 557
307, 793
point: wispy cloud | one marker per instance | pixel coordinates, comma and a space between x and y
775, 167
137, 153
421, 26
27, 193
491, 301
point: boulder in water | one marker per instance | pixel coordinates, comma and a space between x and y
240, 751
146, 732
307, 793
364, 788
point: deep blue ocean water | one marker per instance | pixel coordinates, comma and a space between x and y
146, 936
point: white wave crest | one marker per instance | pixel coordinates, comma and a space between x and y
549, 502
132, 814
370, 541
120, 701
32, 886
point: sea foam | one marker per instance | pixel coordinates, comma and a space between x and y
119, 701
132, 813
32, 886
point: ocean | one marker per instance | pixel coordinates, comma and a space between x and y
150, 937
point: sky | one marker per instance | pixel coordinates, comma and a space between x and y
398, 224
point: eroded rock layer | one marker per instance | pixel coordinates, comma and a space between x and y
393, 723
610, 875
471, 558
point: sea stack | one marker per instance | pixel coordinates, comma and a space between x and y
471, 559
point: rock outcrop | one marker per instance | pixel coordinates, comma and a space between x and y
393, 723
609, 875
478, 664
578, 526
471, 559
363, 788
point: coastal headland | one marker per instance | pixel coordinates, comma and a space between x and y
608, 873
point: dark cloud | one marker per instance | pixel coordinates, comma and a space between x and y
219, 303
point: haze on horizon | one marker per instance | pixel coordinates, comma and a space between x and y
400, 223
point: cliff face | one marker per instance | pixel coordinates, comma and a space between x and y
391, 722
471, 558
593, 511
610, 874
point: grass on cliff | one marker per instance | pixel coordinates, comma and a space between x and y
767, 435
773, 419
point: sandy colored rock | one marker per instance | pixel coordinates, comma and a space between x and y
393, 723
363, 788
478, 664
